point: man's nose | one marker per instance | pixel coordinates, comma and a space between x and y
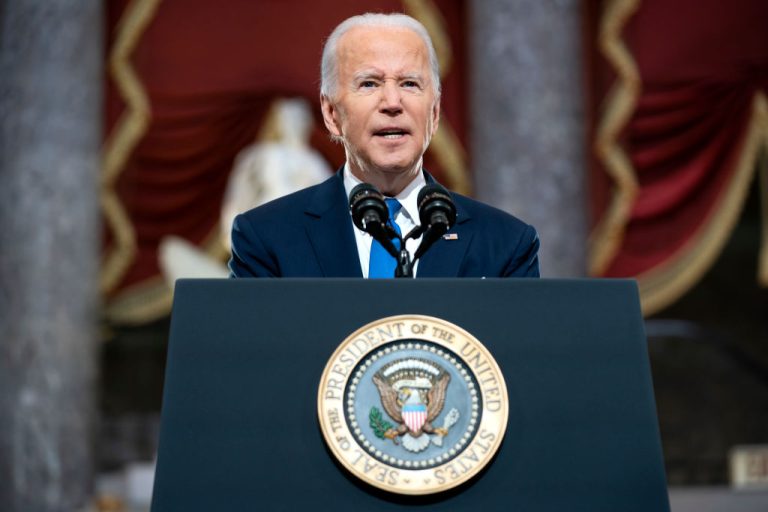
391, 97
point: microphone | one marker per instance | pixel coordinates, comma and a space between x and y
370, 214
437, 214
368, 207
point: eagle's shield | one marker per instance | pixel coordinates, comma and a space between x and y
414, 416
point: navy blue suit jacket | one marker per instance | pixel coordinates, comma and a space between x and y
310, 234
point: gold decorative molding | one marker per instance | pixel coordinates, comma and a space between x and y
762, 269
125, 136
144, 302
450, 154
607, 236
666, 283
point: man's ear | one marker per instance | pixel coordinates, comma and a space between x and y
330, 116
435, 117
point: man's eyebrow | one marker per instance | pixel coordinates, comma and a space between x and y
412, 76
373, 73
367, 73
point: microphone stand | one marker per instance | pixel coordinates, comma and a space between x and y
404, 264
431, 235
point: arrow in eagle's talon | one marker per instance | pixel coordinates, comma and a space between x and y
392, 434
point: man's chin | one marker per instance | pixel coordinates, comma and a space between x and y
391, 167
394, 171
395, 165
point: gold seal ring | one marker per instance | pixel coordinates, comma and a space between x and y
412, 404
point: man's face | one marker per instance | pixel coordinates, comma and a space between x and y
384, 108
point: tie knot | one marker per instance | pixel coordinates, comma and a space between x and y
394, 206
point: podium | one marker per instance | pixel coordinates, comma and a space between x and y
239, 428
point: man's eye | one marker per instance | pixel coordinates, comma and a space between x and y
411, 84
367, 84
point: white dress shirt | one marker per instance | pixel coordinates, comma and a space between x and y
407, 218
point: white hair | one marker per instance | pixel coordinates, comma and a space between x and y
329, 72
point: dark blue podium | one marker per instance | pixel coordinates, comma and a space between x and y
239, 426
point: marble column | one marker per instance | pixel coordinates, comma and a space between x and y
50, 134
527, 133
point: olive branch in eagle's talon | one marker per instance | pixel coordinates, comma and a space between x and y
381, 427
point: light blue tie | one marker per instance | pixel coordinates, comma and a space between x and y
382, 264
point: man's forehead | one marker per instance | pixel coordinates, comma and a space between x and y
370, 39
380, 30
382, 51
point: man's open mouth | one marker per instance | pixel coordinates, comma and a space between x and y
391, 133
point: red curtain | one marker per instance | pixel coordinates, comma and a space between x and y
691, 140
209, 72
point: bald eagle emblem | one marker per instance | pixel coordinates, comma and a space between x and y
413, 393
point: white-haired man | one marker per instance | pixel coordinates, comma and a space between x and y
380, 97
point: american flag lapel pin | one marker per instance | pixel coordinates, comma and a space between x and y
451, 236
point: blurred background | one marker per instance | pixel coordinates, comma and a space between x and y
631, 133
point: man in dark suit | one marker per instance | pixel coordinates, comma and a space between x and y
380, 97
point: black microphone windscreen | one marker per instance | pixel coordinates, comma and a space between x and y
436, 205
367, 205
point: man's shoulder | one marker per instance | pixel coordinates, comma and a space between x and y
486, 214
509, 245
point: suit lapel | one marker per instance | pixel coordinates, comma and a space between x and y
329, 229
444, 258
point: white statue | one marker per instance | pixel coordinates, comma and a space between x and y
262, 172
269, 170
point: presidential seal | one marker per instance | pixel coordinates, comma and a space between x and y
412, 404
